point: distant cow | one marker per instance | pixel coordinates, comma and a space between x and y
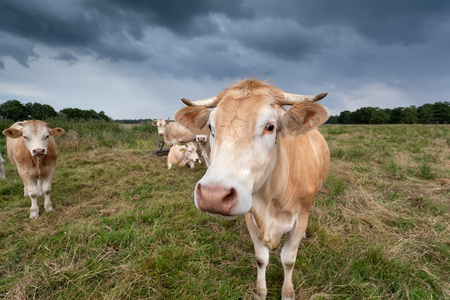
266, 162
173, 132
31, 146
2, 167
182, 155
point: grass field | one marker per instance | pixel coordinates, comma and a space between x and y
125, 227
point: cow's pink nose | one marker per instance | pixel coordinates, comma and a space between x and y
216, 199
160, 134
38, 152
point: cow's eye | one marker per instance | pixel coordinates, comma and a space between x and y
25, 137
210, 129
47, 136
269, 127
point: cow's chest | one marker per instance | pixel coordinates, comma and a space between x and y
37, 169
273, 223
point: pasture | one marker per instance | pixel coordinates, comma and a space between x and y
125, 227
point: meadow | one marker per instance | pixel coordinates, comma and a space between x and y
126, 227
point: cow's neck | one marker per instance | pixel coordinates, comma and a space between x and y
37, 167
273, 213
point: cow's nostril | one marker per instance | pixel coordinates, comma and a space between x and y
229, 199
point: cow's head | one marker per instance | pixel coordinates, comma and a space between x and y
244, 125
36, 135
161, 124
190, 152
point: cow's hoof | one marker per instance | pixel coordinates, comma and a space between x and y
34, 215
261, 294
48, 208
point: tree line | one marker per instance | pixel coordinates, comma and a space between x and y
16, 111
437, 113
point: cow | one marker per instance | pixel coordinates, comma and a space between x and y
173, 132
31, 147
2, 167
267, 162
182, 155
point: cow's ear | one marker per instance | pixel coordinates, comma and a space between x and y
302, 117
155, 122
13, 133
56, 131
194, 118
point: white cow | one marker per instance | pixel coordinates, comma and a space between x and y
31, 147
182, 155
266, 162
2, 167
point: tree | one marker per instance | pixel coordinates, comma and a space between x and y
78, 114
409, 115
39, 111
379, 116
425, 114
396, 115
441, 112
14, 110
102, 115
345, 117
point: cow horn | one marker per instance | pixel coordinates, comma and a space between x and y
290, 99
208, 102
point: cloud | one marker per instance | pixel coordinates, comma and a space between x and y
65, 56
97, 53
19, 49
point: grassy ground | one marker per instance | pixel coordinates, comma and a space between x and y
125, 227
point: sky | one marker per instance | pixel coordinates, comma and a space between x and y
134, 59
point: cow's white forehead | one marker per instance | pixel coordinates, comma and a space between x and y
35, 128
260, 116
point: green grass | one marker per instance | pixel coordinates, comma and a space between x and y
125, 227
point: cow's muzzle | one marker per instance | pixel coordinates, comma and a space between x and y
38, 152
216, 199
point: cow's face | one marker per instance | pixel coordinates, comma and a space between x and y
161, 124
243, 154
244, 128
190, 152
36, 136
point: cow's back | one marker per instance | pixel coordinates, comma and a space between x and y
175, 156
177, 133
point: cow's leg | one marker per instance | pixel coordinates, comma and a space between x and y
46, 188
289, 253
2, 168
261, 255
39, 184
31, 190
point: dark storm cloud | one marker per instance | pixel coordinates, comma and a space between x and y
184, 18
284, 39
110, 30
223, 39
19, 49
65, 56
384, 21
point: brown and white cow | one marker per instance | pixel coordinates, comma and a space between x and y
31, 146
2, 167
182, 155
266, 162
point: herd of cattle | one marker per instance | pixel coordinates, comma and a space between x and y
264, 161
